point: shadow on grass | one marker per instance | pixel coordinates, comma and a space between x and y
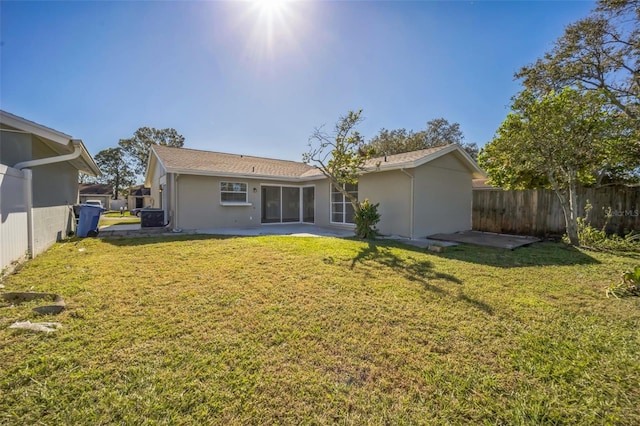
538, 254
412, 269
148, 240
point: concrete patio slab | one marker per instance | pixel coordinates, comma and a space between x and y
294, 230
487, 239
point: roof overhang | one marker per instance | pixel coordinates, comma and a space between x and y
380, 165
60, 143
244, 175
155, 158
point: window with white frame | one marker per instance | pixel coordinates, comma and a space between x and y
341, 208
233, 192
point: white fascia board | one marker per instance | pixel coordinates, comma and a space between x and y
153, 156
34, 128
477, 172
243, 175
88, 159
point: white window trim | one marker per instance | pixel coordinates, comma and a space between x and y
234, 203
345, 200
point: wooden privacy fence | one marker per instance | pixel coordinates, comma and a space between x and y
538, 212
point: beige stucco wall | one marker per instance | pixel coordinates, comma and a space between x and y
199, 205
322, 194
392, 189
442, 197
53, 184
14, 147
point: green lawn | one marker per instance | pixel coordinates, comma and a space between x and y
286, 330
110, 219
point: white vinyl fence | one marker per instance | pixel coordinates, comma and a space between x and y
14, 238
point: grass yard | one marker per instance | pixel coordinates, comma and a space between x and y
286, 330
116, 219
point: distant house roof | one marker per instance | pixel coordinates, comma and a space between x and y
59, 142
191, 161
482, 184
139, 191
96, 189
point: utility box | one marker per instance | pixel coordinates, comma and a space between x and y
151, 218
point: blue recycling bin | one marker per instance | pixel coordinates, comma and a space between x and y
88, 221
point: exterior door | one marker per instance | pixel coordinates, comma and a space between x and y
287, 204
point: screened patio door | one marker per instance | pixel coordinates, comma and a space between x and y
287, 204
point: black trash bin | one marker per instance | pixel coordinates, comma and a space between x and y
151, 218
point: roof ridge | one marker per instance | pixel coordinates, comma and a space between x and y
236, 155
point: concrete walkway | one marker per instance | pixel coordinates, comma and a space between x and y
487, 239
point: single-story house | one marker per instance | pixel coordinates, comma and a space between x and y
483, 184
139, 197
97, 191
38, 186
420, 193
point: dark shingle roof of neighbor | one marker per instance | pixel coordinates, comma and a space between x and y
95, 189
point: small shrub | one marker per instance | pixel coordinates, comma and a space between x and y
629, 286
366, 219
598, 239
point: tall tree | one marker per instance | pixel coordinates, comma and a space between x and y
438, 132
598, 53
115, 169
557, 140
84, 178
341, 156
137, 147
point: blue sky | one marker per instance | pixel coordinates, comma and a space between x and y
239, 77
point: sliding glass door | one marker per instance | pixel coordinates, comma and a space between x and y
308, 204
287, 204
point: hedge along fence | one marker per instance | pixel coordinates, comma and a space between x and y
538, 212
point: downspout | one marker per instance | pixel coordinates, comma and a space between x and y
175, 177
29, 186
410, 203
50, 160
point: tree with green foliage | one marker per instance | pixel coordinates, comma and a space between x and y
115, 169
439, 132
341, 156
598, 53
137, 147
557, 141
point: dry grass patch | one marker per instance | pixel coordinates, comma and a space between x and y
193, 330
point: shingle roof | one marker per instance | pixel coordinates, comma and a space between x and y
183, 160
139, 191
207, 162
95, 189
403, 158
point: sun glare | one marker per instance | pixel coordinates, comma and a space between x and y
271, 7
275, 29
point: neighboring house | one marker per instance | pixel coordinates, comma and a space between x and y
139, 197
38, 185
481, 184
97, 191
420, 193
